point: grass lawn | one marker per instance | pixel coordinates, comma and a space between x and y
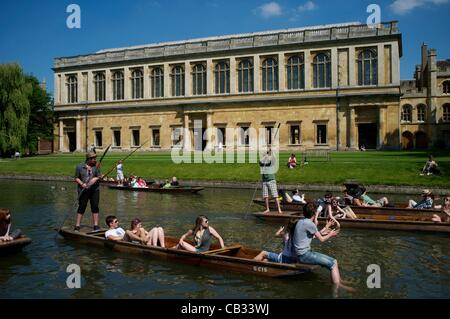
371, 167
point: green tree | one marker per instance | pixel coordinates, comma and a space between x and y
14, 108
41, 115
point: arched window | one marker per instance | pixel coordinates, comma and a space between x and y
137, 84
199, 79
421, 113
406, 113
245, 76
99, 84
222, 78
157, 79
446, 87
446, 112
322, 71
72, 89
295, 73
269, 75
367, 68
177, 81
117, 80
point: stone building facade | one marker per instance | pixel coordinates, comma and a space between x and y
425, 104
331, 86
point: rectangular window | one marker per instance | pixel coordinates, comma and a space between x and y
294, 135
156, 137
135, 138
269, 130
116, 138
176, 136
221, 136
98, 139
321, 130
245, 138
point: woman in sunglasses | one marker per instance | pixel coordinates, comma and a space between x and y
154, 237
203, 235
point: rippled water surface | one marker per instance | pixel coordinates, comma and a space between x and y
413, 265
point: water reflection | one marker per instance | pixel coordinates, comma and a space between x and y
412, 265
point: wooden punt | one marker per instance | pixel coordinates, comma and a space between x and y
159, 189
13, 246
114, 183
384, 221
232, 258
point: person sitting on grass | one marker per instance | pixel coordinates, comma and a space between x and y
203, 235
288, 255
365, 200
155, 237
431, 167
425, 203
445, 209
292, 161
114, 232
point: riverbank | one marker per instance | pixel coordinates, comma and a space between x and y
382, 189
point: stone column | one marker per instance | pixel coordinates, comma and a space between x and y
167, 92
64, 89
78, 134
209, 129
209, 77
91, 87
395, 63
334, 67
187, 79
187, 143
351, 66
127, 84
108, 86
380, 64
147, 91
80, 86
351, 127
256, 74
56, 88
307, 59
381, 126
233, 71
281, 73
61, 136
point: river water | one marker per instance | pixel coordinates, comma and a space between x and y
413, 265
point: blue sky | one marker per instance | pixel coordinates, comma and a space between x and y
32, 33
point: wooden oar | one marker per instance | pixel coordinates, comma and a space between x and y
221, 250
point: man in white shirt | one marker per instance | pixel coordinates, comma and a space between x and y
114, 232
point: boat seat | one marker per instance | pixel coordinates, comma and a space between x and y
222, 250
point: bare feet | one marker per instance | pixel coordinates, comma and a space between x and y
266, 211
280, 212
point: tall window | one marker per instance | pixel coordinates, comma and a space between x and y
245, 76
199, 79
446, 112
137, 84
156, 137
421, 113
116, 138
99, 84
157, 79
406, 115
221, 136
269, 75
367, 68
269, 130
245, 136
295, 73
72, 89
118, 90
222, 78
321, 136
295, 134
98, 139
177, 81
322, 71
135, 137
446, 87
176, 136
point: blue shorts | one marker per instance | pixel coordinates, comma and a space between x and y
280, 258
312, 257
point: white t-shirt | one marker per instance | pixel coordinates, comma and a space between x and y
115, 232
119, 168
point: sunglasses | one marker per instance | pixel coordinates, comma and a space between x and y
115, 222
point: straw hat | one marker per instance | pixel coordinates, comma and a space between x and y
90, 154
426, 192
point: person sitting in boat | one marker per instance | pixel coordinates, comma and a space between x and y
431, 167
296, 197
5, 227
288, 255
445, 209
203, 234
133, 181
425, 203
292, 161
114, 232
154, 237
323, 202
348, 199
174, 182
141, 183
365, 200
167, 184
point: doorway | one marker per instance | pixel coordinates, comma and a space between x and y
367, 135
72, 136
